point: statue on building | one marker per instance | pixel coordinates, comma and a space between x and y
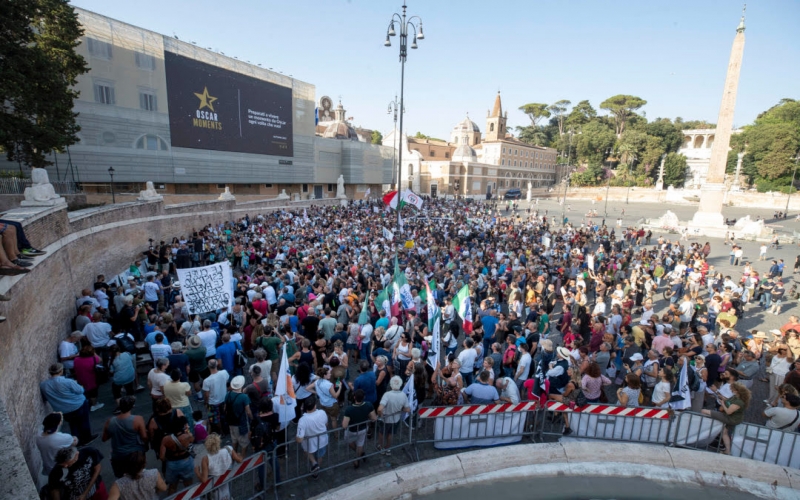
41, 193
150, 193
530, 191
226, 195
340, 188
283, 195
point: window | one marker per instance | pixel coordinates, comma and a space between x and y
267, 185
145, 61
491, 127
99, 49
502, 162
515, 163
305, 188
219, 186
504, 150
151, 143
447, 155
104, 93
433, 153
147, 101
515, 152
330, 188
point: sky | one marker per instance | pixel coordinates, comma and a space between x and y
674, 54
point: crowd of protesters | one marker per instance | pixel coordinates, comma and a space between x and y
561, 312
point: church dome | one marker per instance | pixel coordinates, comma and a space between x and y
340, 130
466, 125
465, 153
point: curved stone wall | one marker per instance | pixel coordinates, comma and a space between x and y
80, 245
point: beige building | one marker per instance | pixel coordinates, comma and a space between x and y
474, 165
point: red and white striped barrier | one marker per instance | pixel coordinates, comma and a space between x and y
621, 411
203, 488
455, 411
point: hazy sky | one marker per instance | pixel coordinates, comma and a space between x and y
673, 54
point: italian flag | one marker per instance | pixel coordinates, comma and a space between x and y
463, 307
396, 200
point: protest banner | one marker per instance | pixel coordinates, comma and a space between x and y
207, 289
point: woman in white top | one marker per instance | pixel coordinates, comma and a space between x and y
778, 369
402, 352
215, 464
662, 392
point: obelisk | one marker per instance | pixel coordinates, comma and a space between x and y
709, 214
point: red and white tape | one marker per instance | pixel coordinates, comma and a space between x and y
454, 411
203, 488
621, 411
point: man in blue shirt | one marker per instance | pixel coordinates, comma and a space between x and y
489, 323
226, 354
481, 392
367, 382
66, 396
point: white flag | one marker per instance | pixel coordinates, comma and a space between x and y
366, 194
401, 224
388, 234
305, 215
411, 394
284, 402
681, 395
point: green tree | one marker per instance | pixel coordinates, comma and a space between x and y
675, 168
558, 109
377, 137
670, 134
532, 135
592, 143
772, 146
420, 135
535, 111
693, 124
622, 107
581, 114
39, 68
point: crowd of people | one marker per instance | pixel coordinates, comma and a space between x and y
561, 312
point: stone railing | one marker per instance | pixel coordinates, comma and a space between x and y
80, 245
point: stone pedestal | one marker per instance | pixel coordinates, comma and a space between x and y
708, 219
295, 196
227, 195
283, 195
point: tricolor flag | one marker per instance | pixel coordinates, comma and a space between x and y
403, 288
393, 200
382, 302
463, 306
681, 394
363, 317
434, 320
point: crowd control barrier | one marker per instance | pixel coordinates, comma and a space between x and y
244, 481
465, 426
600, 421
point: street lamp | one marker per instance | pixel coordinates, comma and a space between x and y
413, 24
111, 173
608, 184
393, 107
632, 159
791, 186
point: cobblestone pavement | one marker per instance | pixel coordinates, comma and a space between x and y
754, 318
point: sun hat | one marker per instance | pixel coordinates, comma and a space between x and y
563, 352
760, 335
637, 357
194, 341
237, 382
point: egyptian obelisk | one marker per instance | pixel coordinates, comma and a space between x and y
709, 214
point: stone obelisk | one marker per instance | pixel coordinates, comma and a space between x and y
709, 215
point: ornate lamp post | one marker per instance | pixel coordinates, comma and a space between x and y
412, 24
394, 106
111, 173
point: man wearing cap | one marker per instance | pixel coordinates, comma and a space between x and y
238, 415
66, 396
557, 373
50, 440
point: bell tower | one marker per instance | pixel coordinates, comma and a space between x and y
496, 122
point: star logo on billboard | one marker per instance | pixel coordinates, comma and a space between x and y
206, 101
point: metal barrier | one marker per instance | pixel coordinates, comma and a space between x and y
696, 431
600, 421
449, 427
244, 481
294, 463
756, 442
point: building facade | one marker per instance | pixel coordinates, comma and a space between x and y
475, 165
128, 116
696, 148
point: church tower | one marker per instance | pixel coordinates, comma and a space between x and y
496, 122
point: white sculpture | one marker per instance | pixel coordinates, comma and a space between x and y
669, 219
149, 194
530, 191
41, 192
742, 222
340, 188
227, 195
283, 195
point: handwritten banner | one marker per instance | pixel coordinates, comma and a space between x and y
207, 289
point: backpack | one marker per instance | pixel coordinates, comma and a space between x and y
261, 435
125, 344
230, 414
160, 432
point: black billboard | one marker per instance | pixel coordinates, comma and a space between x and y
213, 108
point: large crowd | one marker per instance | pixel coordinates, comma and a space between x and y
561, 312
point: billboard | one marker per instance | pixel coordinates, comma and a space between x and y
218, 109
